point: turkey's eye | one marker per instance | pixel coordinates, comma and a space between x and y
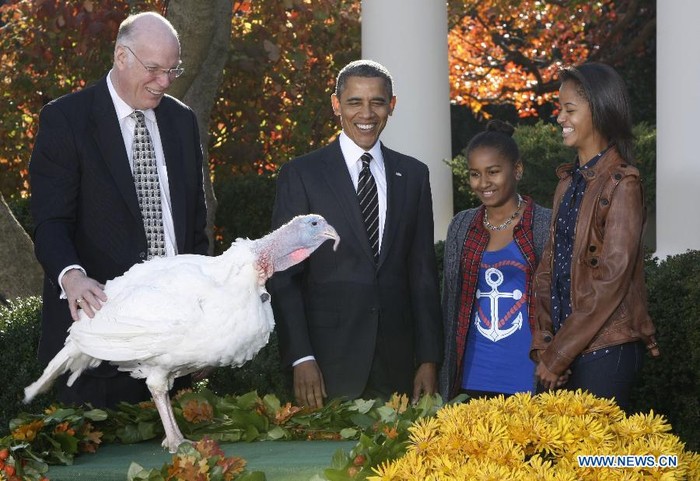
314, 223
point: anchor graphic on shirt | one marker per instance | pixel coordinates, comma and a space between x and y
493, 332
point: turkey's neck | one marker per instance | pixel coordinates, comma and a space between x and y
278, 252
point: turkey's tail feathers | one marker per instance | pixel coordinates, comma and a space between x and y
68, 359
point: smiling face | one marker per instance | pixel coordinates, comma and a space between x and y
364, 107
153, 46
576, 121
492, 176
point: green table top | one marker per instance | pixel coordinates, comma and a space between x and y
279, 460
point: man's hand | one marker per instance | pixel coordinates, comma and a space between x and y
309, 388
425, 381
83, 293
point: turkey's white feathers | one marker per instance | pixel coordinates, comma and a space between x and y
149, 316
172, 316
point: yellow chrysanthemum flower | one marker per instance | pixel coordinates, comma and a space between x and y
639, 424
387, 471
692, 461
488, 470
422, 433
538, 438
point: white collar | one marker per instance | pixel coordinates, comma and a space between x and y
123, 109
352, 152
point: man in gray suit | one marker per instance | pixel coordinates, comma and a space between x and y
363, 321
88, 217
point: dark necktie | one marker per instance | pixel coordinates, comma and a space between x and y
369, 204
148, 187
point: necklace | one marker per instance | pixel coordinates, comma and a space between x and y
508, 221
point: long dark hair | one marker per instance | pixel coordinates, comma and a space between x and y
607, 97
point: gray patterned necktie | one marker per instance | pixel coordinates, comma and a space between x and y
369, 204
148, 187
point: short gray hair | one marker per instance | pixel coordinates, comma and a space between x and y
126, 28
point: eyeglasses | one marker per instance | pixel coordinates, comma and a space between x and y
172, 73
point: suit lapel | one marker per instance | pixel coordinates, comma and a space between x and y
395, 195
336, 174
174, 165
108, 138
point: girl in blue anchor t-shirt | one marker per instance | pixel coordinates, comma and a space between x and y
491, 253
498, 341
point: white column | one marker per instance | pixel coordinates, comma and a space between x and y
677, 108
409, 37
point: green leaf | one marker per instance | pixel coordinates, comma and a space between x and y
96, 415
387, 414
251, 434
340, 459
277, 433
68, 443
272, 403
336, 475
348, 433
363, 420
363, 405
248, 400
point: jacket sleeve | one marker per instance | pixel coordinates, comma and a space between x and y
612, 265
543, 333
424, 285
286, 286
55, 179
451, 266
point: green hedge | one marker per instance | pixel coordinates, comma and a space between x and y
244, 207
19, 338
669, 385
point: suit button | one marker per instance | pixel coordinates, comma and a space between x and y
373, 310
547, 338
594, 261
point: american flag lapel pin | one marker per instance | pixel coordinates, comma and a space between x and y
398, 174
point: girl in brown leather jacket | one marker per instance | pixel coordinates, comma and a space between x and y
591, 310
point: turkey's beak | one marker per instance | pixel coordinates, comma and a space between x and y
330, 233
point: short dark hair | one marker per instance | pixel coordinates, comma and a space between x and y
364, 68
607, 97
499, 136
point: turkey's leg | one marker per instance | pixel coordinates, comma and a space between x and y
173, 435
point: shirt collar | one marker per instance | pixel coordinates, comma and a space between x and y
352, 152
123, 109
591, 163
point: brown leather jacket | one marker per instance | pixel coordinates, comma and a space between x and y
609, 297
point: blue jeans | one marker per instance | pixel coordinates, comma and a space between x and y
607, 373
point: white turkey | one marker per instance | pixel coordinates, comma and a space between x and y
172, 316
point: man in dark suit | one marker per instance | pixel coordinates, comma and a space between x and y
358, 322
89, 220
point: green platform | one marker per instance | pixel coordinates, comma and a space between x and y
279, 460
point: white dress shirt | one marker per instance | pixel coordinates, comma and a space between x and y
352, 153
127, 124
